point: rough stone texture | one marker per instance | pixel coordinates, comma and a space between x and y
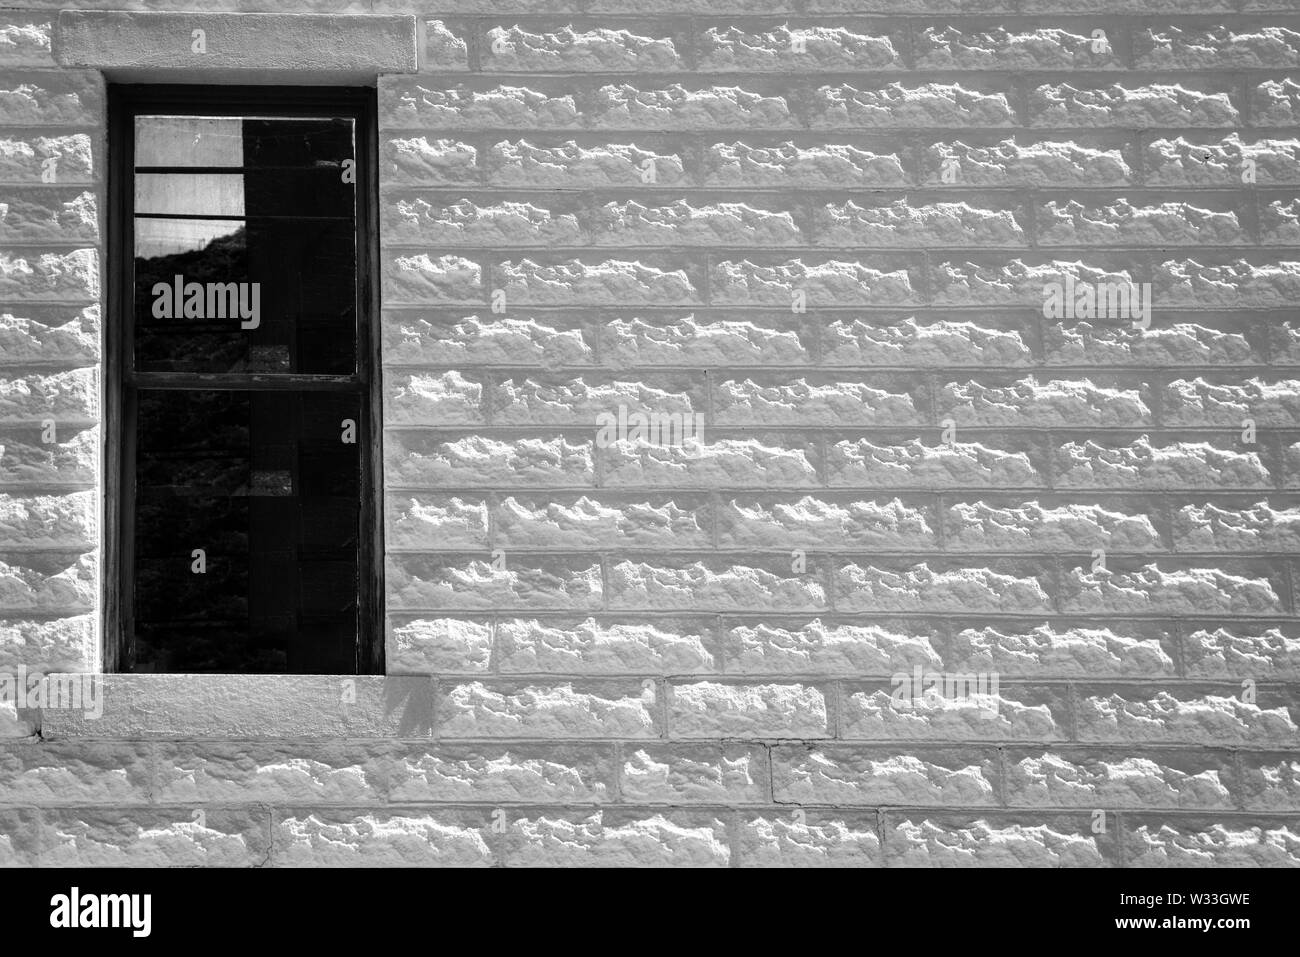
827, 234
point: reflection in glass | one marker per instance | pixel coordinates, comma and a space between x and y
288, 239
189, 141
191, 194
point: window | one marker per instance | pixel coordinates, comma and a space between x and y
242, 530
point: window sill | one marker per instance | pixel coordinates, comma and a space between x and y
244, 706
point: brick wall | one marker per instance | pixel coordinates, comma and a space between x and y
603, 653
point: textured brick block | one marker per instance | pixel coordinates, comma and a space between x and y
694, 774
20, 833
50, 334
58, 583
51, 98
600, 50
50, 646
25, 39
70, 460
1276, 102
419, 646
1146, 464
1191, 715
221, 772
1121, 223
1169, 590
431, 460
49, 521
1270, 781
874, 713
809, 522
569, 163
54, 215
1218, 48
154, 837
1009, 162
916, 840
712, 710
1215, 161
460, 341
616, 838
789, 164
1209, 842
773, 402
921, 588
786, 50
829, 648
748, 462
589, 646
1044, 48
1119, 779
1242, 650
507, 773
553, 710
874, 777
418, 582
1132, 105
443, 48
986, 526
425, 161
1122, 649
1028, 403
919, 344
818, 839
926, 105
1183, 343
917, 464
680, 107
51, 774
713, 585
374, 838
34, 276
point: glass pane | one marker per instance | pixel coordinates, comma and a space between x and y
189, 141
192, 194
274, 296
239, 141
273, 292
265, 486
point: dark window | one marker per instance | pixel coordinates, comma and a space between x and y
242, 531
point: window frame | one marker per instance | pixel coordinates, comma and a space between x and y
117, 442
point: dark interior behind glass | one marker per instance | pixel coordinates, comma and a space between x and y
245, 426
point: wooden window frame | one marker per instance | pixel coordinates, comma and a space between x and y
125, 101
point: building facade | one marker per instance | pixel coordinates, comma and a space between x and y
788, 432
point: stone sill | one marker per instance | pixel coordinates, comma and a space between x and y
245, 706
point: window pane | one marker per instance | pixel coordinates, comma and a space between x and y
265, 485
273, 296
189, 141
239, 141
192, 194
274, 292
